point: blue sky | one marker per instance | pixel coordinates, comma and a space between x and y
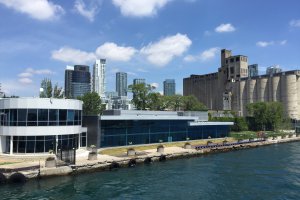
151, 39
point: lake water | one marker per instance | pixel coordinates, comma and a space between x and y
271, 172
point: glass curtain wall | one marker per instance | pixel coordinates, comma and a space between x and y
40, 117
127, 132
42, 144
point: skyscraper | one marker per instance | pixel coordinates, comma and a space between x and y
253, 70
99, 84
273, 70
121, 83
77, 81
1, 93
169, 87
138, 81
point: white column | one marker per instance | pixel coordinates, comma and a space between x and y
56, 143
79, 140
11, 145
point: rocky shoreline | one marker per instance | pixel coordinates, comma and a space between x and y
130, 161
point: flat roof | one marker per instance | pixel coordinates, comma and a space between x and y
197, 123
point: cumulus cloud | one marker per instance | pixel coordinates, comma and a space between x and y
70, 55
112, 51
25, 80
140, 8
203, 56
225, 28
264, 43
295, 23
88, 12
25, 75
38, 9
209, 54
190, 58
163, 51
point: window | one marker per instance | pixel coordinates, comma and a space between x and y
53, 117
32, 117
22, 116
237, 59
231, 70
232, 60
62, 117
13, 117
43, 117
71, 117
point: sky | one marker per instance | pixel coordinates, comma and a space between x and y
151, 39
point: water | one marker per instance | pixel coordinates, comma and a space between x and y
271, 172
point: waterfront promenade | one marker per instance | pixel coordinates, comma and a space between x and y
34, 167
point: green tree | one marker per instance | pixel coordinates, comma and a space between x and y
191, 103
91, 104
48, 91
58, 92
140, 95
240, 124
154, 101
175, 102
46, 86
265, 115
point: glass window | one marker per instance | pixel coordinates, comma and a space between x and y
53, 117
13, 117
62, 117
71, 117
32, 117
22, 116
43, 117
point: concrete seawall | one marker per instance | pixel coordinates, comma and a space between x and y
119, 162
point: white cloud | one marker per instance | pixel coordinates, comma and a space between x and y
209, 54
112, 51
163, 51
223, 28
25, 75
283, 42
37, 9
88, 12
39, 71
25, 80
204, 56
295, 23
190, 58
264, 43
140, 8
74, 56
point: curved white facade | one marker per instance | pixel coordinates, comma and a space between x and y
39, 124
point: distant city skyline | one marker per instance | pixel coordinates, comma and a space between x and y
121, 83
191, 34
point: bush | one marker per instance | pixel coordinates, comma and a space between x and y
50, 158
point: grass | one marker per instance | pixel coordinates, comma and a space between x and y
253, 134
8, 163
123, 150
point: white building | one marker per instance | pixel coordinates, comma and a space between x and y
38, 125
99, 84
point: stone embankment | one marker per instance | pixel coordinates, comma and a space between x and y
105, 162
